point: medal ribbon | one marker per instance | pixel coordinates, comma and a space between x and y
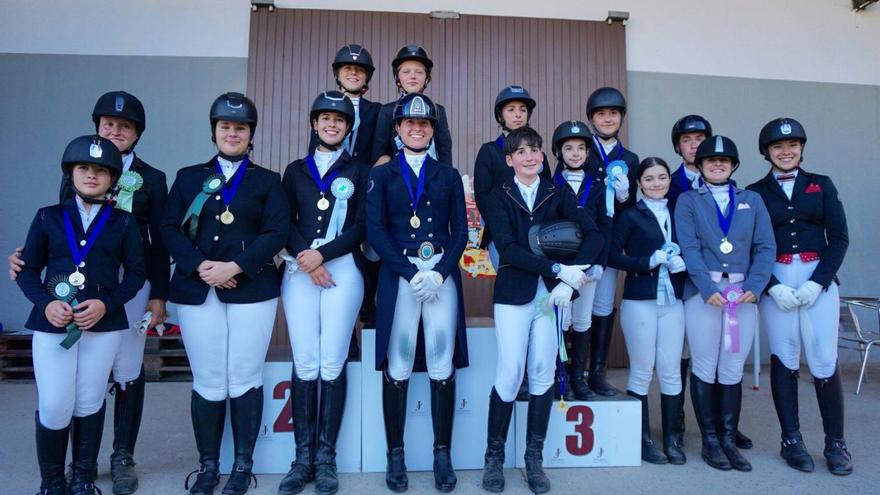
685, 183
322, 183
420, 188
79, 253
609, 186
562, 357
231, 187
724, 221
500, 142
588, 181
731, 322
73, 331
665, 290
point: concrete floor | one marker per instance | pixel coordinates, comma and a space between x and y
166, 450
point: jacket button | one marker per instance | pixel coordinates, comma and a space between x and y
318, 231
793, 234
320, 218
724, 265
216, 237
791, 221
216, 217
790, 207
82, 242
412, 236
430, 219
428, 203
531, 218
794, 246
82, 264
430, 236
217, 197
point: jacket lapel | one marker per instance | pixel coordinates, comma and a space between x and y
648, 216
800, 184
513, 192
773, 186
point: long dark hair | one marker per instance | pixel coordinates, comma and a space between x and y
651, 161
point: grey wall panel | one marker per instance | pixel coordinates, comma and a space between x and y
47, 100
843, 129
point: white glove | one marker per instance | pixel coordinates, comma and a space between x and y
561, 296
428, 286
784, 297
595, 272
676, 264
620, 182
573, 275
657, 259
808, 292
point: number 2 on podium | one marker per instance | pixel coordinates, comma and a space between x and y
581, 443
284, 421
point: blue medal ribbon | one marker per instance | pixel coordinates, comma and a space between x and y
420, 188
588, 180
685, 182
78, 252
231, 186
500, 142
322, 183
724, 221
609, 186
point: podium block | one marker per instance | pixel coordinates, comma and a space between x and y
473, 385
602, 433
275, 448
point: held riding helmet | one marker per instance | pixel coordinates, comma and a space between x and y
412, 52
574, 129
717, 146
779, 130
332, 101
415, 106
353, 54
122, 105
510, 94
559, 240
687, 124
94, 150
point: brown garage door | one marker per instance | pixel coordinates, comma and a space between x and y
559, 61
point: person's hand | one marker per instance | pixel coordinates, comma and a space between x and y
15, 263
747, 297
676, 264
219, 272
594, 274
322, 278
620, 182
573, 275
88, 313
716, 299
784, 297
428, 286
157, 308
309, 259
808, 292
59, 313
658, 258
560, 296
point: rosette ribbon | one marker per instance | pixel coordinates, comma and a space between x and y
614, 168
212, 185
731, 294
129, 182
562, 376
665, 290
64, 291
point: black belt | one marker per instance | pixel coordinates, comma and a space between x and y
425, 251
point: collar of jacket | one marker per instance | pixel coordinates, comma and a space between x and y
546, 189
340, 162
430, 165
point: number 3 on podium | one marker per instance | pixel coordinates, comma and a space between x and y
581, 443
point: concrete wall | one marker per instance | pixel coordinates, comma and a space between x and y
737, 63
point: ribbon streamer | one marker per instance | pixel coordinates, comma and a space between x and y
665, 290
731, 323
562, 357
212, 184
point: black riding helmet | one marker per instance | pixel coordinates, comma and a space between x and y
415, 106
513, 93
412, 52
717, 146
606, 97
690, 123
122, 105
332, 101
234, 107
778, 130
573, 129
353, 54
95, 150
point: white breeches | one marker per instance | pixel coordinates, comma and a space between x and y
320, 321
654, 335
580, 317
603, 302
226, 344
439, 323
72, 382
526, 337
130, 358
704, 326
814, 328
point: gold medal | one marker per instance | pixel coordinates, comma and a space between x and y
323, 203
77, 279
227, 217
414, 221
726, 247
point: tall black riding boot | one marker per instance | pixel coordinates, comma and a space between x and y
394, 410
730, 405
496, 436
580, 341
685, 367
208, 417
87, 432
650, 452
670, 409
742, 441
829, 393
329, 420
247, 413
51, 450
304, 405
600, 341
442, 414
536, 432
127, 411
702, 400
784, 386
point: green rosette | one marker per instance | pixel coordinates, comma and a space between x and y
129, 182
64, 291
212, 185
